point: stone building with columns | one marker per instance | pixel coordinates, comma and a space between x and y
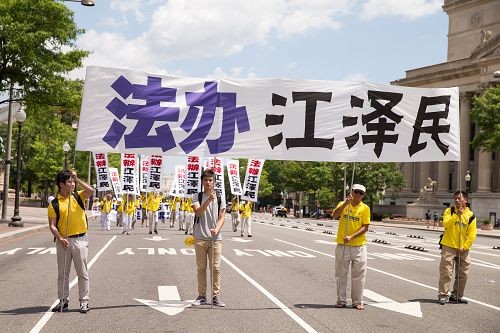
473, 57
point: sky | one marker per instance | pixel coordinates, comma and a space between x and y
338, 40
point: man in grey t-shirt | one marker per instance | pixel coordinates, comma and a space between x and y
208, 240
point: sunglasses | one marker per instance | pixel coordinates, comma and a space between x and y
358, 192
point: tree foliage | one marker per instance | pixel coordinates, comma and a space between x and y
37, 47
485, 113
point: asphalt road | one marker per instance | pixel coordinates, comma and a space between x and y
281, 280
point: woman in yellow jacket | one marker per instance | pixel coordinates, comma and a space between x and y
459, 233
246, 220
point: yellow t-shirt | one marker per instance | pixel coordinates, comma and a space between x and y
154, 203
106, 206
129, 206
358, 216
235, 206
77, 223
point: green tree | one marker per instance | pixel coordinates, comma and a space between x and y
485, 113
37, 48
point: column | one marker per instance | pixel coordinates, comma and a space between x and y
408, 175
424, 172
443, 173
483, 172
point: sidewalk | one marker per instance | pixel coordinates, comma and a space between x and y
33, 218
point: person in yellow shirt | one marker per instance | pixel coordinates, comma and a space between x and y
128, 212
189, 216
174, 204
235, 218
460, 232
106, 206
119, 211
144, 211
182, 212
351, 246
69, 226
153, 204
246, 219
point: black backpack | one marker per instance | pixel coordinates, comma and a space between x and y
452, 211
200, 197
55, 205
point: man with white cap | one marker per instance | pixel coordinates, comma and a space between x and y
351, 246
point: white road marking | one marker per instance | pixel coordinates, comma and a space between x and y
276, 301
169, 301
409, 308
21, 230
41, 323
395, 276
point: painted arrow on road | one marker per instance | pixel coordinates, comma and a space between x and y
408, 308
169, 301
241, 240
156, 239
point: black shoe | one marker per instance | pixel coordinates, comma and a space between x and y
443, 301
249, 235
156, 232
185, 233
201, 300
57, 308
452, 299
150, 233
217, 302
84, 307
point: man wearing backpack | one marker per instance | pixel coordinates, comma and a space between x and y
209, 210
68, 224
459, 233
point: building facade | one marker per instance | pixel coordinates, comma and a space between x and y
473, 57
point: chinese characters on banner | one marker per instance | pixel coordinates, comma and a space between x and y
193, 174
178, 186
218, 168
252, 178
155, 169
115, 181
101, 170
128, 173
144, 172
135, 112
233, 173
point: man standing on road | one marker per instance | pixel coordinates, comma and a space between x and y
351, 247
459, 233
209, 212
68, 224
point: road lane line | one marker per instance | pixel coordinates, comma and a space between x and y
276, 301
41, 323
396, 276
474, 261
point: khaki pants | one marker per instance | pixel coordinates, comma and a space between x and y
355, 257
450, 261
203, 250
76, 252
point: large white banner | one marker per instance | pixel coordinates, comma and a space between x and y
133, 111
252, 179
179, 184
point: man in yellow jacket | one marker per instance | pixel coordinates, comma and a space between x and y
459, 233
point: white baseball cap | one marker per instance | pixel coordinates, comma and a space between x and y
358, 187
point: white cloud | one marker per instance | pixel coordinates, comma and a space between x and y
112, 22
410, 9
356, 77
234, 73
182, 29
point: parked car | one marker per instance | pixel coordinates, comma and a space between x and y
279, 211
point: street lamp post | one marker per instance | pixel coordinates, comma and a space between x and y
20, 118
88, 3
66, 149
467, 181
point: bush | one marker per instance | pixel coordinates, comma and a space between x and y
385, 216
486, 221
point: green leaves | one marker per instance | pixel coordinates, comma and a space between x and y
485, 113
